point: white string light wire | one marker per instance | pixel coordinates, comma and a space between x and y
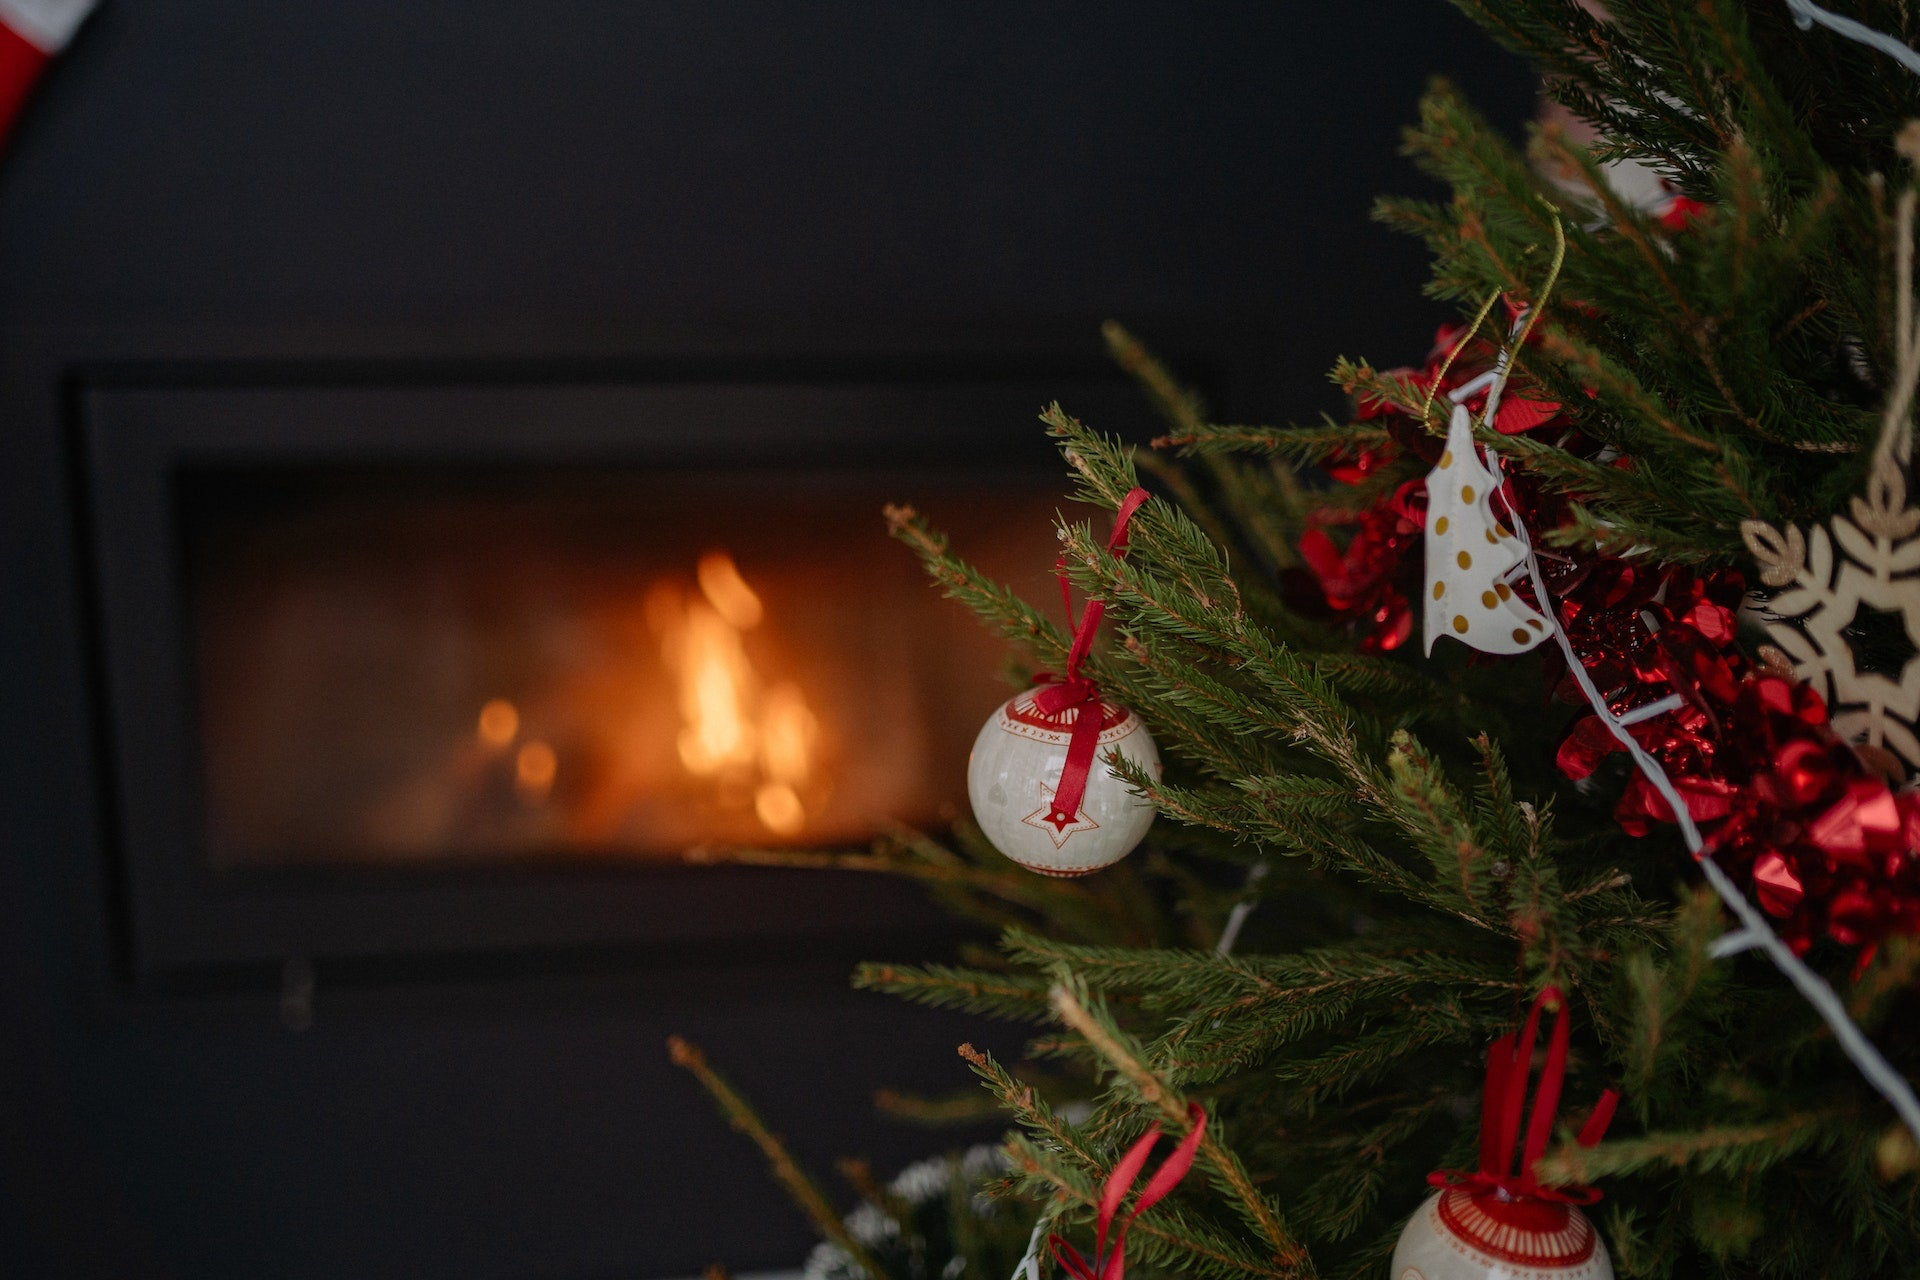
1806, 13
1236, 918
1755, 933
1029, 1268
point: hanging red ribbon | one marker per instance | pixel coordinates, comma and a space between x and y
1509, 1062
1073, 691
1110, 1264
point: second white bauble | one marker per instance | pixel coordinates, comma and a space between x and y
1458, 1235
1016, 764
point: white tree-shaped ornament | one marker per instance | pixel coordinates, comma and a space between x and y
1470, 555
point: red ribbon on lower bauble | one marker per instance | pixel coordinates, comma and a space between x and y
1109, 1263
1509, 1064
1499, 1218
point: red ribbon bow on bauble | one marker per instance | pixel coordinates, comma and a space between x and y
1073, 691
1508, 1065
1110, 1264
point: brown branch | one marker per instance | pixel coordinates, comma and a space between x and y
1020, 1099
805, 1192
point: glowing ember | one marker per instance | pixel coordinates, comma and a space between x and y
534, 768
779, 808
499, 723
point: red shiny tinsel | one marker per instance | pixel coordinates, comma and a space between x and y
1826, 844
1779, 799
1368, 583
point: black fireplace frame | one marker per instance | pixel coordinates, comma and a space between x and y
131, 426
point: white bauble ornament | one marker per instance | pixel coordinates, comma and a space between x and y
1016, 764
1488, 1235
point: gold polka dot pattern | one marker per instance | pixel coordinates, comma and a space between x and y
1460, 490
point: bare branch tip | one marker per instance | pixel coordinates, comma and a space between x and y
685, 1055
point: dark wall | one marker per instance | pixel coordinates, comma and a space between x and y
236, 184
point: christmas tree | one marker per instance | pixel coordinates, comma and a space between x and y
1682, 384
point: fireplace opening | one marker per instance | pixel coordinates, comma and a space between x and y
398, 668
427, 667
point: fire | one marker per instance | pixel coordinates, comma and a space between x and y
716, 683
733, 730
727, 591
788, 732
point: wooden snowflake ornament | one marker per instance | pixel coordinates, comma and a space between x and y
1827, 596
1470, 555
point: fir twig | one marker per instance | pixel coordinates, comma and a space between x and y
802, 1188
1158, 1096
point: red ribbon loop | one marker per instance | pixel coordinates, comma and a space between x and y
1110, 1264
1509, 1062
1073, 691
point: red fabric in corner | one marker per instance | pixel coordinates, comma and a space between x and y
21, 62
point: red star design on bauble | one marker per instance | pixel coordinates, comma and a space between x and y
1057, 831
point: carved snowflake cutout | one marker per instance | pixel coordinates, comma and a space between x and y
1817, 618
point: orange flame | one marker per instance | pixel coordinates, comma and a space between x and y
716, 683
730, 727
727, 591
788, 732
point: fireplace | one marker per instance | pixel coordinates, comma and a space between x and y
436, 666
450, 667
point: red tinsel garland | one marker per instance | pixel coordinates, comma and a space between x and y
1368, 585
1827, 844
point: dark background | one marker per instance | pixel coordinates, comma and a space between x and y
231, 186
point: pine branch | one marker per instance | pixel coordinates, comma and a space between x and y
967, 1108
1012, 886
803, 1189
1027, 1108
1264, 1217
1167, 1235
1002, 995
1038, 1160
1733, 1149
1304, 445
1013, 617
1359, 1164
